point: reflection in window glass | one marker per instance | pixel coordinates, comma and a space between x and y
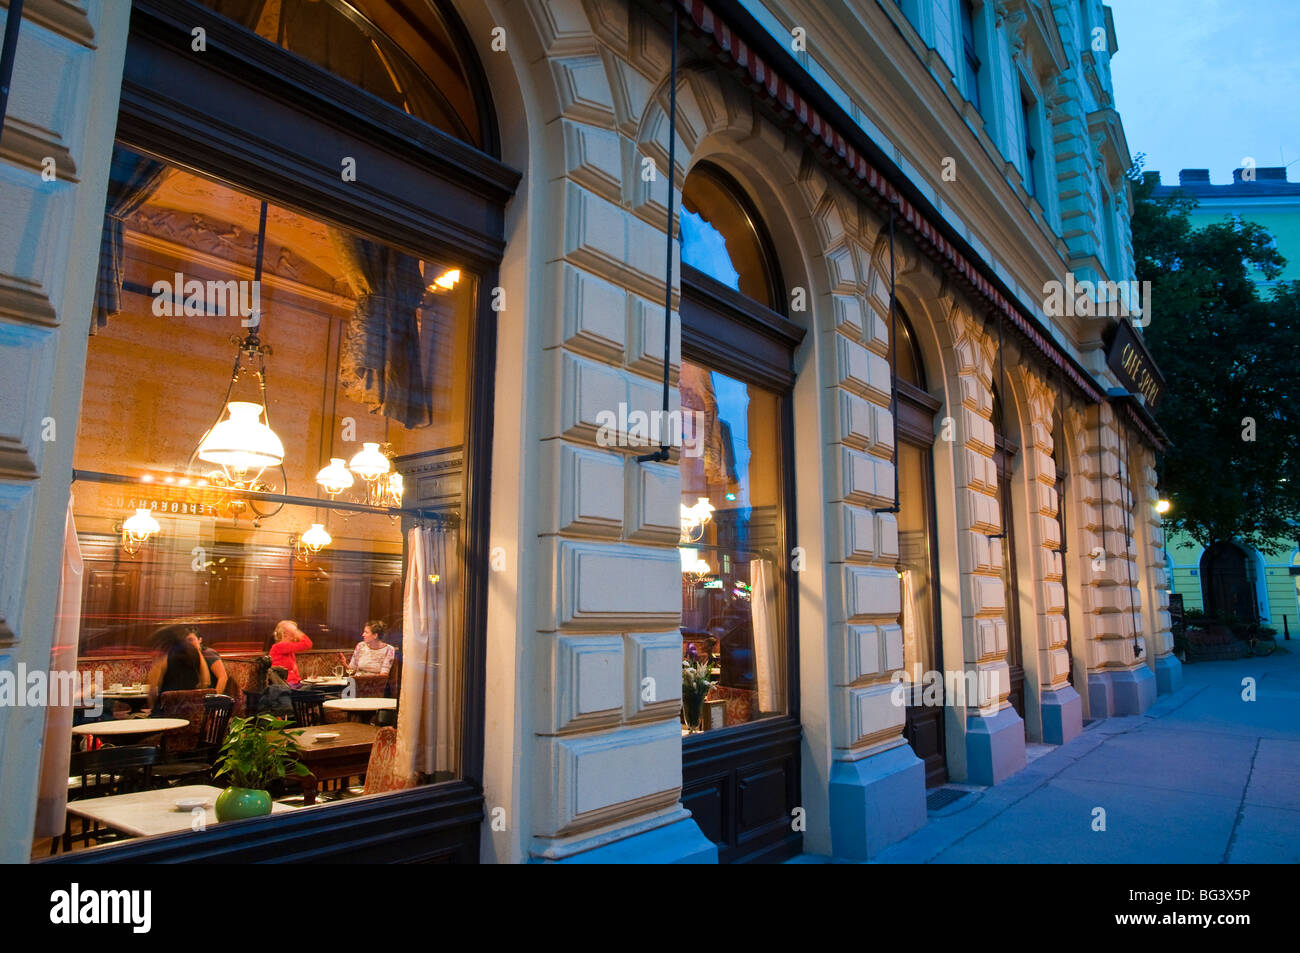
908, 361
256, 511
720, 238
914, 562
733, 571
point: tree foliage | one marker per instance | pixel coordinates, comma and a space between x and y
1228, 356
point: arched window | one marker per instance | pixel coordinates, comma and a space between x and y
738, 616
723, 238
909, 366
402, 51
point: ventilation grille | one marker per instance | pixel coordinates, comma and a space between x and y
942, 797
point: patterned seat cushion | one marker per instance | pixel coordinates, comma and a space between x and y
381, 773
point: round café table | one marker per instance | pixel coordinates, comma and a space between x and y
362, 708
136, 700
329, 687
125, 731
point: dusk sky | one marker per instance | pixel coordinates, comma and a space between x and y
1200, 84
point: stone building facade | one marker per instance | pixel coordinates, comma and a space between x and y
999, 150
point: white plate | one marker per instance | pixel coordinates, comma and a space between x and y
325, 736
190, 803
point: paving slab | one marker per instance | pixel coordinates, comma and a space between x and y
1266, 835
1174, 760
1142, 825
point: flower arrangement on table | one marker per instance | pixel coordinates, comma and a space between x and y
697, 679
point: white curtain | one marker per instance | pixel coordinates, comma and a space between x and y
910, 646
767, 629
428, 720
52, 798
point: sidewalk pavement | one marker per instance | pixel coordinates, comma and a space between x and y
1203, 777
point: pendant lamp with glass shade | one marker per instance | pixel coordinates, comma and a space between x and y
242, 444
381, 484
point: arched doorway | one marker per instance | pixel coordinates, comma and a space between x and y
1004, 455
918, 569
1228, 582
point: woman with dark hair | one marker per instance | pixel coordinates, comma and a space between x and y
372, 656
178, 664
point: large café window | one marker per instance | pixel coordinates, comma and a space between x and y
271, 458
734, 598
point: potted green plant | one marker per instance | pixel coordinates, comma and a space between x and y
257, 751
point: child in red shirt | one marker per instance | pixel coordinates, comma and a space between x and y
289, 641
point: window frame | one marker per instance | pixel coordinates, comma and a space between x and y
724, 331
1030, 152
971, 62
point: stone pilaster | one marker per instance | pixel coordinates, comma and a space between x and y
1154, 573
995, 733
1060, 709
1119, 682
877, 784
54, 162
606, 751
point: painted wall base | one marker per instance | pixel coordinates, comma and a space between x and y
681, 842
1169, 675
995, 746
1101, 695
875, 802
1121, 692
1135, 690
1062, 715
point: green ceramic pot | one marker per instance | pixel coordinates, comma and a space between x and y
236, 803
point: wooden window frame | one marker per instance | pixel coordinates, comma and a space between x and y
728, 332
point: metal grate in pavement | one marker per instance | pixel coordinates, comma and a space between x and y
942, 797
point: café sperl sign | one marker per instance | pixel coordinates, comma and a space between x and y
1137, 372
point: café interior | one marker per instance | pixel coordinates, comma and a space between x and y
271, 441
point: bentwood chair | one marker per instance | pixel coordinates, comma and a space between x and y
103, 772
308, 708
195, 766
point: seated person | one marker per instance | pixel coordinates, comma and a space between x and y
372, 656
178, 664
216, 668
289, 640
